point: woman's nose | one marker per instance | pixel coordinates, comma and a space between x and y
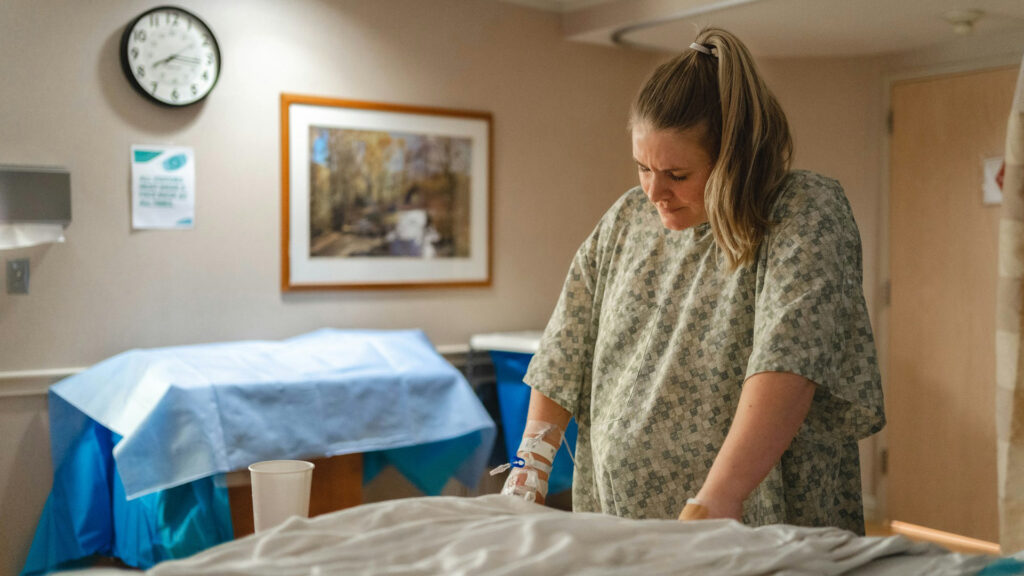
657, 189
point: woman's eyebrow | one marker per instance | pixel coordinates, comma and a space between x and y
675, 169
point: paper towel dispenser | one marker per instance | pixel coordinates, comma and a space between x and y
36, 195
35, 205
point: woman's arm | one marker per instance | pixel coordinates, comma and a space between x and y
772, 407
543, 412
546, 410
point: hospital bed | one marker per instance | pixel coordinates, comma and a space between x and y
498, 534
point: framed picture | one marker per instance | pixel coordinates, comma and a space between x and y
383, 195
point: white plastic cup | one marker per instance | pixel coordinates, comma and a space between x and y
280, 490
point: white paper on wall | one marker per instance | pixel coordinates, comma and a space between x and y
992, 193
163, 187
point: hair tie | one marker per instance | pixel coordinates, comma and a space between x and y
703, 49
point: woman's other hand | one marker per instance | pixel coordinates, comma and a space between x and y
701, 510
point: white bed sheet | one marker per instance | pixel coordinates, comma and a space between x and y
498, 534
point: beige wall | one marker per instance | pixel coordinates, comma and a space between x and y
560, 148
561, 156
837, 130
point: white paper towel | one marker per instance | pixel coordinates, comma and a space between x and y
29, 234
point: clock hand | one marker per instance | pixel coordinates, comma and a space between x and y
176, 55
186, 59
163, 61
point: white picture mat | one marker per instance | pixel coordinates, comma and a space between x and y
383, 270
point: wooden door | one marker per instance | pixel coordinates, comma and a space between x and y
943, 244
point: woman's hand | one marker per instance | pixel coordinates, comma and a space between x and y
772, 408
515, 484
694, 511
701, 508
545, 425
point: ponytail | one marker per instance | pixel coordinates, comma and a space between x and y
745, 134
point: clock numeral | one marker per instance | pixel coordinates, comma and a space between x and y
154, 87
206, 74
135, 53
140, 35
209, 58
154, 20
175, 21
140, 71
174, 95
195, 90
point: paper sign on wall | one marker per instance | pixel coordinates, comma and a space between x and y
163, 187
991, 189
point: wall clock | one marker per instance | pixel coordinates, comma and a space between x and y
170, 56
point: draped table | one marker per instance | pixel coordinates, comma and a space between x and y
141, 441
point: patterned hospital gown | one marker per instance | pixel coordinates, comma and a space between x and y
652, 339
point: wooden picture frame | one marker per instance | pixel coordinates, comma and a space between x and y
381, 195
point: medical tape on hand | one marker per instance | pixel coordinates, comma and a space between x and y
537, 450
530, 487
541, 438
534, 481
541, 429
533, 463
539, 447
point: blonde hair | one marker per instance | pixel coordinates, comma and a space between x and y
745, 134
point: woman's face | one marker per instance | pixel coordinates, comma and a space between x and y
674, 169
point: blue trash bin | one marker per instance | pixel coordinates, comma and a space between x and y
511, 354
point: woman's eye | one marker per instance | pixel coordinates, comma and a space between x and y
677, 177
642, 168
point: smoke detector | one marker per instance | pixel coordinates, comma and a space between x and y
962, 20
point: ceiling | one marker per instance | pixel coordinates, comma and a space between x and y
784, 28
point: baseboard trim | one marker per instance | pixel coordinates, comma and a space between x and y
32, 382
950, 540
36, 382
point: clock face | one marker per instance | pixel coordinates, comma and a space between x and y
170, 56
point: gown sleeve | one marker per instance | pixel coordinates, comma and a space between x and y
559, 368
810, 315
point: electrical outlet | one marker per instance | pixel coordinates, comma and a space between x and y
17, 276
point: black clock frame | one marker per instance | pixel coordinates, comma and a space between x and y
127, 69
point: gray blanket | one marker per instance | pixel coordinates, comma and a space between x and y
497, 534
